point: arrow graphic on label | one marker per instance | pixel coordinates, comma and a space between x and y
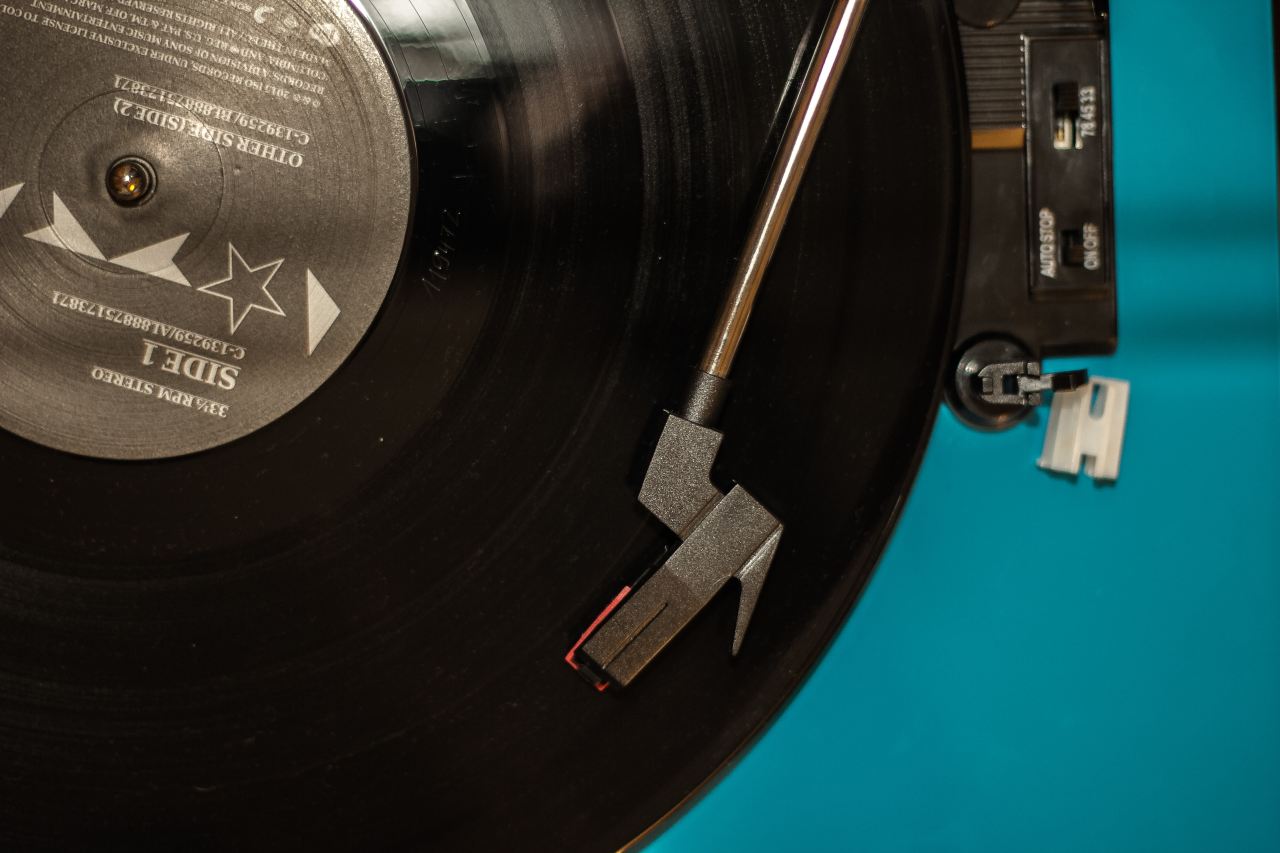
322, 313
157, 261
7, 197
66, 233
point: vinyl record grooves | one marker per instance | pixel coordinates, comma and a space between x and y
345, 627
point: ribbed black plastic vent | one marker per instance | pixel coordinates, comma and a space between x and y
995, 58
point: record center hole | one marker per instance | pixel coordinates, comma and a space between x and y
131, 181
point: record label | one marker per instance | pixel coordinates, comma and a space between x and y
202, 209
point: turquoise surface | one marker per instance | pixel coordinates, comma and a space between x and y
1107, 678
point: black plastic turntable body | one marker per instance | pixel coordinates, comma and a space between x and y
1040, 279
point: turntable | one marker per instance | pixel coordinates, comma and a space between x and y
465, 424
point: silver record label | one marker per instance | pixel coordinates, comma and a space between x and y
203, 204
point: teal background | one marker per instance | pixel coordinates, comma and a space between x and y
1108, 677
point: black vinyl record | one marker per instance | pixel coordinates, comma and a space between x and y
346, 629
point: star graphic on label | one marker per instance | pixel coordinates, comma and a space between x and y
245, 288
